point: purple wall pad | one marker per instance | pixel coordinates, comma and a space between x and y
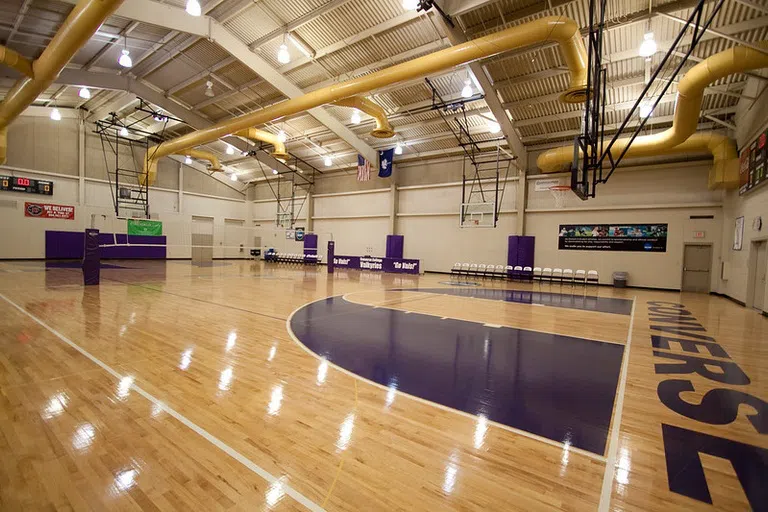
558, 300
558, 387
395, 246
310, 243
69, 245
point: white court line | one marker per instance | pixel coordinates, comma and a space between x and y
394, 307
523, 433
613, 444
218, 443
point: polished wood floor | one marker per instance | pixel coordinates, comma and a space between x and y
174, 387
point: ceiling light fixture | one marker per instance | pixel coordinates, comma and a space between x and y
356, 119
124, 131
84, 93
283, 57
125, 59
399, 149
188, 160
466, 92
494, 127
301, 45
328, 161
209, 89
648, 46
55, 114
193, 8
230, 150
646, 109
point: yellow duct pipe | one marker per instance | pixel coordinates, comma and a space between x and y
86, 17
278, 150
552, 28
690, 95
383, 129
13, 59
203, 155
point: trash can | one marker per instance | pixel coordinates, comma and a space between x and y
620, 279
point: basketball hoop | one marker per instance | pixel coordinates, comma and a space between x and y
560, 192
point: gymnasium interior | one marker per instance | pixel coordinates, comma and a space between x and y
365, 255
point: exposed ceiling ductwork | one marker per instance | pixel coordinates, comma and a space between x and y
77, 29
679, 138
554, 28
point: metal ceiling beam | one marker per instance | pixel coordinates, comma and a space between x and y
17, 21
173, 18
456, 37
201, 75
298, 22
360, 36
394, 59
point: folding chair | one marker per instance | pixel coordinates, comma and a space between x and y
528, 273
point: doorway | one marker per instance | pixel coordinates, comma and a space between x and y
235, 239
758, 259
697, 267
202, 240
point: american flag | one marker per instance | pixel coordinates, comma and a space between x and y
363, 169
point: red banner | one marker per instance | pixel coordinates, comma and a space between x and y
49, 211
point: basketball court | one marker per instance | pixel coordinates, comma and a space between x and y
393, 255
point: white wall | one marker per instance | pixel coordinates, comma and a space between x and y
427, 212
43, 149
750, 120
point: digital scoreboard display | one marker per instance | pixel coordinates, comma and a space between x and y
26, 185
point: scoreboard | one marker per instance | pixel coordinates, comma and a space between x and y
26, 185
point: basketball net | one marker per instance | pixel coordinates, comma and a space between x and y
559, 193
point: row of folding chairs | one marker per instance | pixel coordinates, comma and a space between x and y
296, 259
565, 275
515, 273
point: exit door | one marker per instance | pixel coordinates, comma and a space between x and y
697, 264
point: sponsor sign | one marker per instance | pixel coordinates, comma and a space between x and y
393, 265
613, 237
49, 211
145, 227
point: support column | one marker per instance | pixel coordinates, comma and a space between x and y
181, 187
394, 199
310, 211
81, 162
522, 195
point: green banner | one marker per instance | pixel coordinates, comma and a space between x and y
145, 227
